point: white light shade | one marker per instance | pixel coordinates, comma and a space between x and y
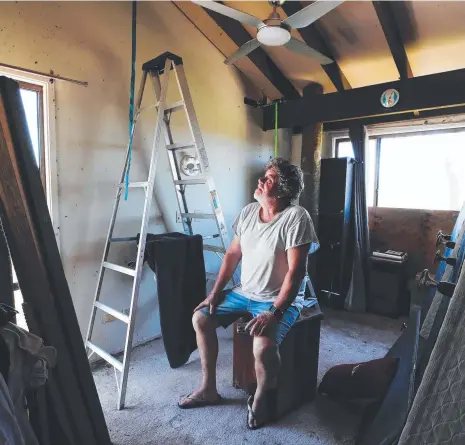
273, 36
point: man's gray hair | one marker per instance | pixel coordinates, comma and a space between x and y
290, 178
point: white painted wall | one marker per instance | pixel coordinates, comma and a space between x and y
91, 41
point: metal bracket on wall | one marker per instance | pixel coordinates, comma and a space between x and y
262, 103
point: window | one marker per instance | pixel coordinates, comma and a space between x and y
32, 97
421, 170
38, 97
344, 150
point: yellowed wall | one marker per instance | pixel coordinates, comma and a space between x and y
91, 41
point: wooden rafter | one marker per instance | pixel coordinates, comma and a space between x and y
343, 125
391, 31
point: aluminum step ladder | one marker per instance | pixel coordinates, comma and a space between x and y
159, 70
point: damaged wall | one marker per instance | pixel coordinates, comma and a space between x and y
91, 41
410, 230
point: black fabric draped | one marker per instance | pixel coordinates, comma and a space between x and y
177, 260
357, 296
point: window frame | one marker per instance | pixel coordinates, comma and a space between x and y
337, 142
378, 132
45, 86
40, 115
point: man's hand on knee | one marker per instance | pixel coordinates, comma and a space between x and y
260, 324
212, 301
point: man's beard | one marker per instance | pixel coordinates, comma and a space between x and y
258, 195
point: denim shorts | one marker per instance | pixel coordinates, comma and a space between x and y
235, 305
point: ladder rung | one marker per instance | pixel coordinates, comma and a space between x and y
199, 215
211, 276
181, 146
107, 357
175, 106
117, 314
134, 185
213, 248
211, 236
123, 240
149, 107
117, 268
190, 181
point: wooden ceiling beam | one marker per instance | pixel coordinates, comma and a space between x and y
239, 35
312, 37
392, 33
413, 116
434, 91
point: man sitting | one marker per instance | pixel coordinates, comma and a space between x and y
273, 238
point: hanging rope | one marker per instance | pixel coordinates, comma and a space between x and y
276, 129
131, 96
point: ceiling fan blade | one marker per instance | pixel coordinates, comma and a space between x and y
311, 13
245, 49
230, 12
298, 47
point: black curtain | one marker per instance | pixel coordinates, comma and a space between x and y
356, 299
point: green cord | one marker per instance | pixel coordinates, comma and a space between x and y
276, 129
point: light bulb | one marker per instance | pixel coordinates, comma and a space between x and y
273, 36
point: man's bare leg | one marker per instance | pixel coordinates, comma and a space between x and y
267, 362
207, 342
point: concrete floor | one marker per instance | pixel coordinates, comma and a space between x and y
152, 417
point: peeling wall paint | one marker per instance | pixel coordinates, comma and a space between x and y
90, 41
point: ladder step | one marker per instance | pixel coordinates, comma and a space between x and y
181, 146
217, 235
107, 357
190, 181
213, 248
199, 215
134, 185
117, 314
149, 107
115, 267
179, 105
123, 240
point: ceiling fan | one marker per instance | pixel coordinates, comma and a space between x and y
274, 31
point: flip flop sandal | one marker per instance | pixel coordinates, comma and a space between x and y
252, 417
198, 402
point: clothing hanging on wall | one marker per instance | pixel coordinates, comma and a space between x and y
177, 260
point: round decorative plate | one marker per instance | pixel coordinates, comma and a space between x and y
390, 98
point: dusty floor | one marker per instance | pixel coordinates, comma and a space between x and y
152, 417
